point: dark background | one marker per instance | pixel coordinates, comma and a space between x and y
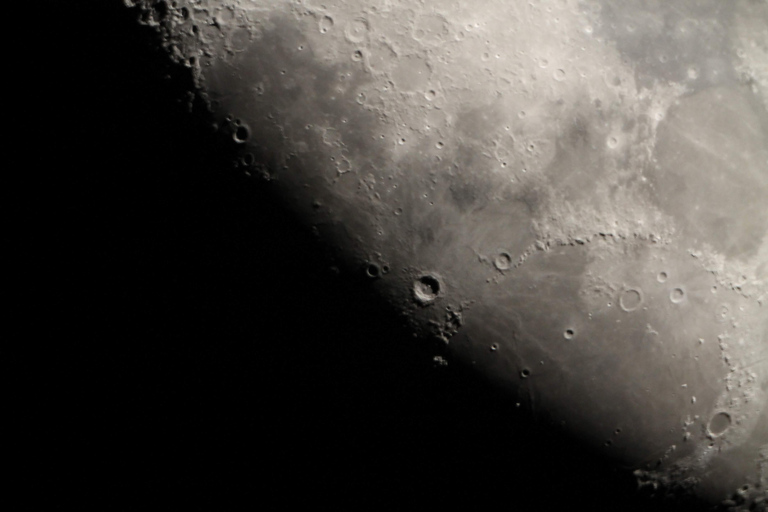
191, 348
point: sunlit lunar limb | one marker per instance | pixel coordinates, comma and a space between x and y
572, 196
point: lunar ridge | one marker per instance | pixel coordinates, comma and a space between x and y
568, 197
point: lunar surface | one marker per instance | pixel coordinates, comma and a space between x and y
570, 197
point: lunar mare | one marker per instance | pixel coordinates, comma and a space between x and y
580, 186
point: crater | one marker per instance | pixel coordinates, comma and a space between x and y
372, 270
241, 134
719, 423
503, 261
630, 299
677, 295
426, 289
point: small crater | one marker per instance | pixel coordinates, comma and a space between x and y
662, 277
719, 423
569, 334
494, 347
356, 30
373, 271
325, 24
426, 289
630, 299
613, 142
241, 134
503, 261
677, 295
525, 373
559, 75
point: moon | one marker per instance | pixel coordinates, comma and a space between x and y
568, 197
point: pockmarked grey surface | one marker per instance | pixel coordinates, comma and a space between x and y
571, 196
